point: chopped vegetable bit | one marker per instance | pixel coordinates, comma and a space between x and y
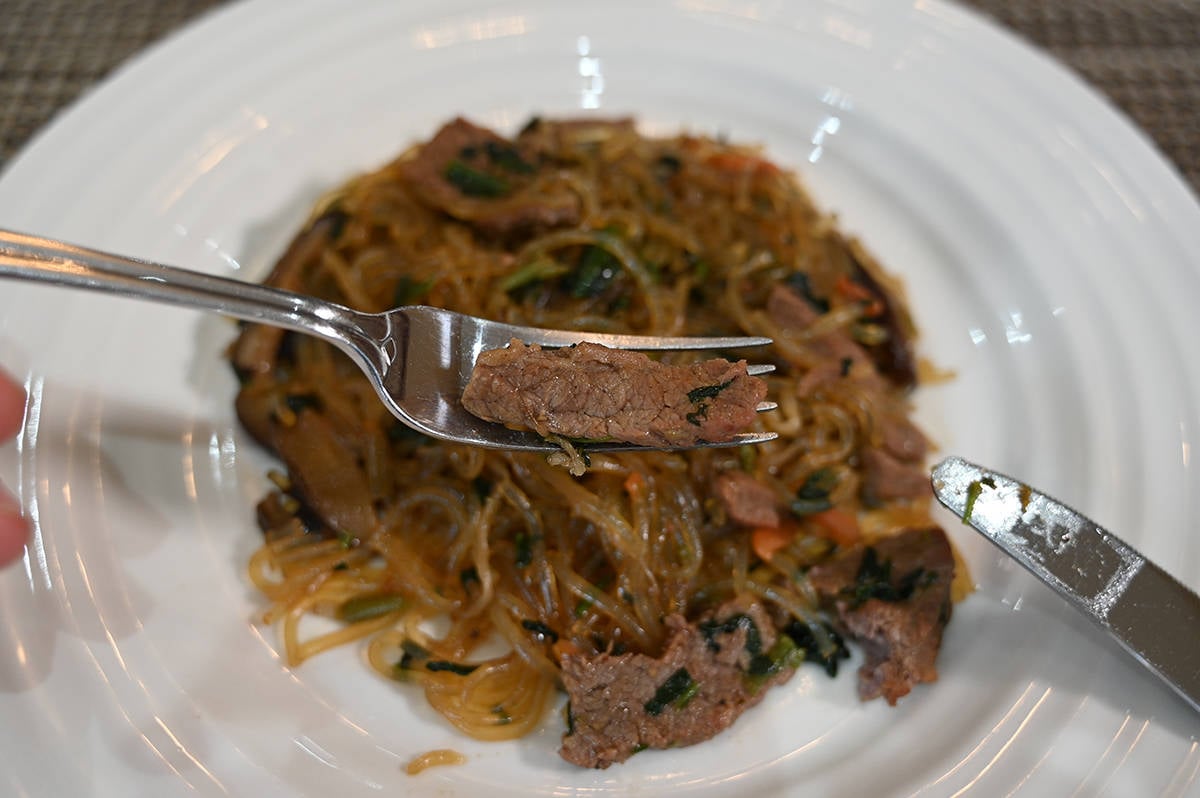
870, 334
874, 581
687, 695
474, 183
364, 608
280, 479
839, 526
412, 654
742, 162
569, 717
482, 488
536, 271
1026, 495
668, 165
596, 271
707, 391
820, 643
582, 606
799, 282
872, 305
545, 633
453, 667
784, 655
747, 457
302, 401
337, 217
677, 690
974, 489
711, 628
698, 397
506, 157
767, 540
564, 648
525, 543
408, 290
813, 496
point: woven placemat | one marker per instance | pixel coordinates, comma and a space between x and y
1144, 55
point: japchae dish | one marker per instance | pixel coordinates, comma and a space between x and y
663, 592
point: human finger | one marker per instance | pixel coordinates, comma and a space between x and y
14, 529
12, 406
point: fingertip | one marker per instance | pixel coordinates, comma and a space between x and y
14, 530
14, 534
12, 406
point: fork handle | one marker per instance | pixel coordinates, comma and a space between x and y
27, 257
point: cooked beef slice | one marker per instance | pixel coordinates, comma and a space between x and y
591, 392
257, 349
893, 356
747, 501
327, 475
792, 312
711, 672
895, 468
901, 438
477, 176
893, 597
887, 477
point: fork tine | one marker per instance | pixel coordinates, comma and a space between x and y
649, 343
759, 369
766, 407
655, 343
741, 439
746, 438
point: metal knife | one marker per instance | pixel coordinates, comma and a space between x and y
1152, 615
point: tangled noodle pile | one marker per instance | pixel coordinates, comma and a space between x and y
581, 225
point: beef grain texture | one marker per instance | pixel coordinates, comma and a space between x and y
591, 392
609, 693
900, 636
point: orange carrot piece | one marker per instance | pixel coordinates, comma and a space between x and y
837, 525
563, 648
766, 540
741, 162
859, 293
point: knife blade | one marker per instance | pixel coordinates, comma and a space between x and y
1152, 615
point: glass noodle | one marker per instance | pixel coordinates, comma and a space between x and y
512, 560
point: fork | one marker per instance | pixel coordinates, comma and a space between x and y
418, 358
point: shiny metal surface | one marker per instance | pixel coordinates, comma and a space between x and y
1152, 615
418, 358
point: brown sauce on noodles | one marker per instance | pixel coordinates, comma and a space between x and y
583, 225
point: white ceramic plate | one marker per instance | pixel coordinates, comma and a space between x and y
1051, 257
